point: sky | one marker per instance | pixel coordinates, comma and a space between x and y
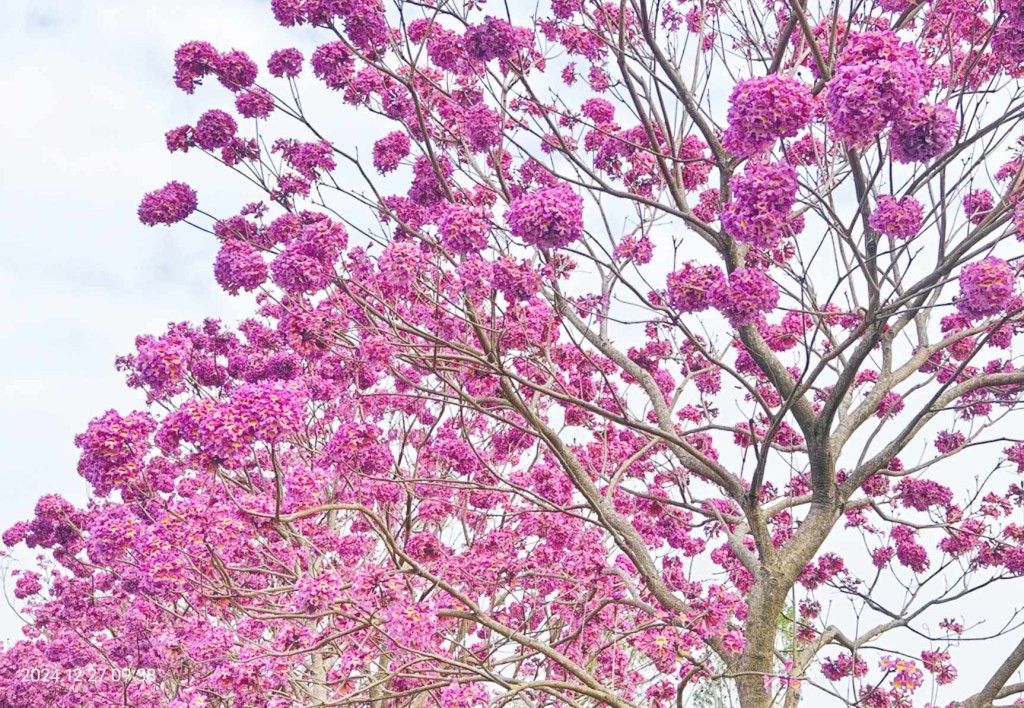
88, 97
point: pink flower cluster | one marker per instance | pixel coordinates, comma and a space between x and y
239, 266
429, 177
173, 202
464, 229
254, 103
307, 263
986, 287
909, 552
906, 676
334, 64
214, 130
937, 663
922, 133
748, 294
162, 363
763, 197
550, 217
235, 70
271, 412
390, 150
843, 666
1008, 35
637, 249
922, 494
978, 204
27, 584
493, 38
194, 60
483, 128
112, 449
877, 78
898, 218
285, 63
465, 696
764, 109
308, 159
359, 446
691, 288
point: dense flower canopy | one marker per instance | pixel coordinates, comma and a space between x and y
640, 354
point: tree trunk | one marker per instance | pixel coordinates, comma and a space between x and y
765, 603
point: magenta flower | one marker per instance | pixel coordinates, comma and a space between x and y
691, 287
285, 63
27, 585
289, 12
173, 202
239, 266
897, 218
922, 133
733, 642
551, 217
464, 229
214, 129
492, 39
179, 139
986, 288
390, 150
333, 64
482, 127
764, 109
254, 103
878, 76
748, 294
236, 71
978, 204
763, 196
193, 61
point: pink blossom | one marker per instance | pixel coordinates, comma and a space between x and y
285, 63
239, 266
333, 64
170, 204
733, 642
492, 39
550, 217
978, 204
763, 196
921, 133
390, 150
464, 229
179, 139
877, 78
762, 110
986, 287
193, 61
27, 584
692, 287
748, 294
897, 218
235, 70
254, 103
214, 129
637, 249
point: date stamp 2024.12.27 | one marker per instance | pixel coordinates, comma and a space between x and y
87, 674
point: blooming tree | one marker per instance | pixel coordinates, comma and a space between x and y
650, 352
